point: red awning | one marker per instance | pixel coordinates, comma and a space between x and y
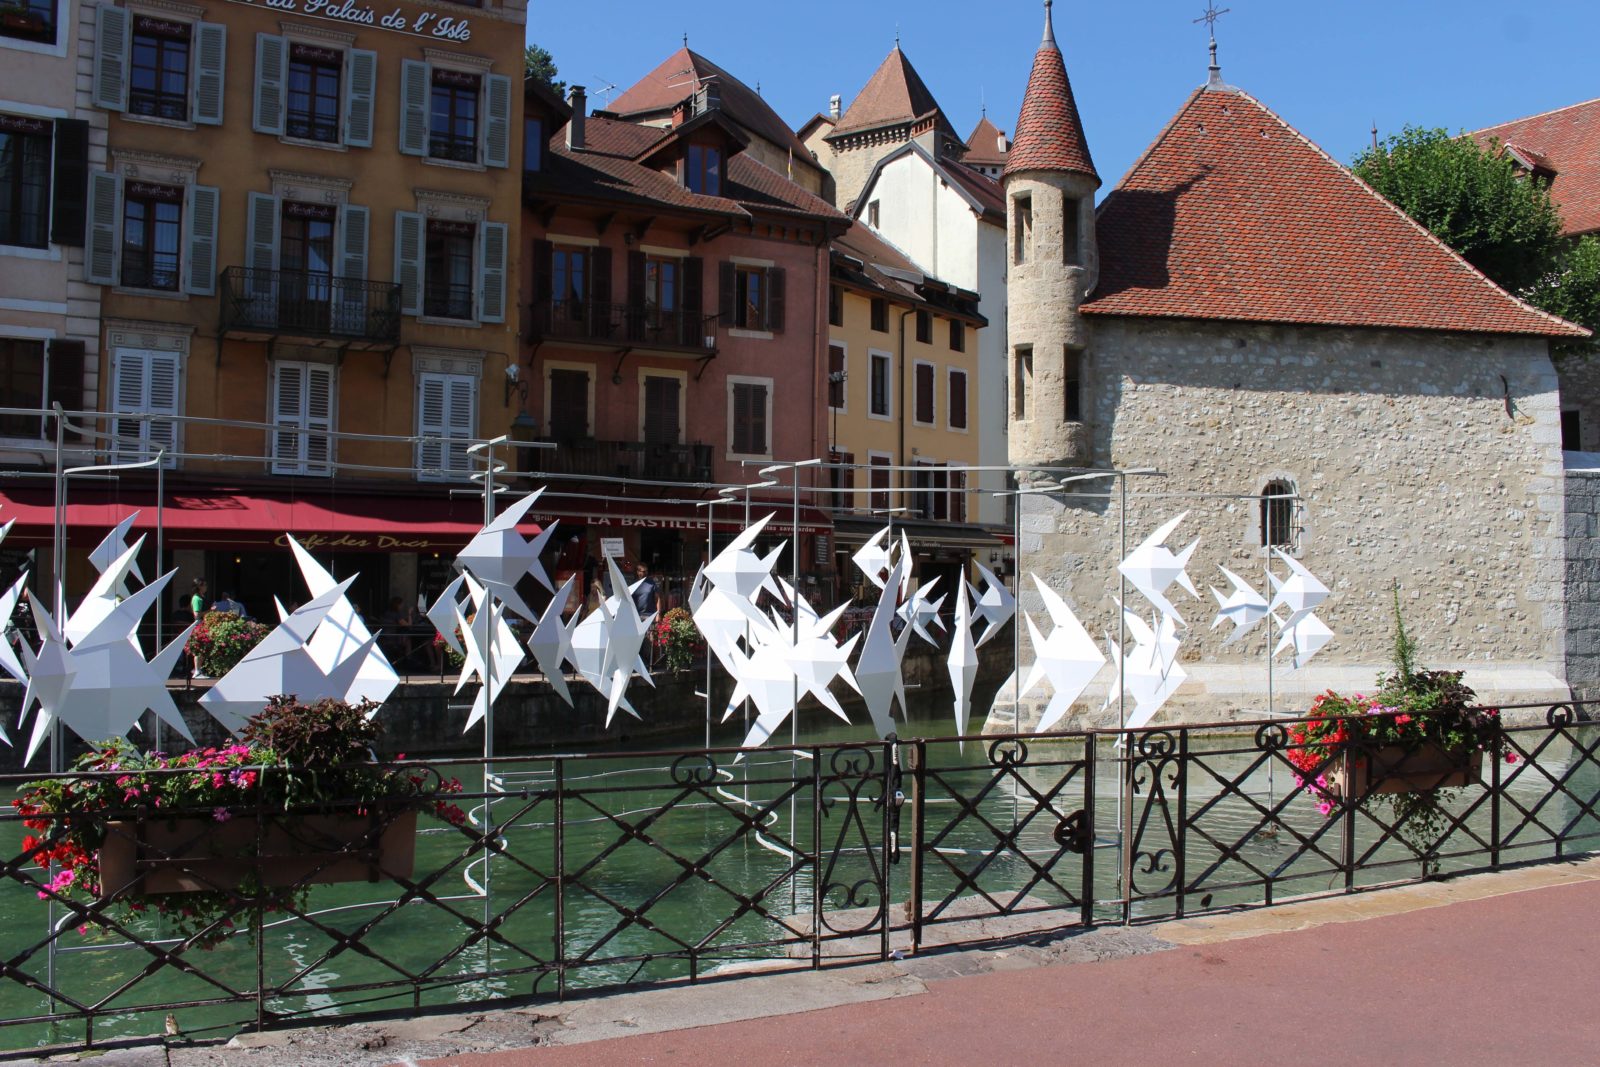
232, 520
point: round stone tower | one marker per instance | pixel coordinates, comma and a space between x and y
1049, 184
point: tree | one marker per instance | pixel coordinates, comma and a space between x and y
539, 63
1474, 199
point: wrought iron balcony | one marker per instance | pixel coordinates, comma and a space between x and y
284, 303
633, 325
624, 459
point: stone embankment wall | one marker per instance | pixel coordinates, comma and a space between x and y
1433, 461
1583, 574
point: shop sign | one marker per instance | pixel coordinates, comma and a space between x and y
428, 24
611, 546
378, 542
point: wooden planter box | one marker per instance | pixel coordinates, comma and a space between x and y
1401, 769
195, 854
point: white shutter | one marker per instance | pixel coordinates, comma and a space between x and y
111, 58
497, 131
200, 224
408, 260
129, 369
350, 291
272, 75
492, 272
261, 257
210, 67
461, 413
320, 407
363, 69
101, 262
162, 399
288, 404
414, 91
430, 423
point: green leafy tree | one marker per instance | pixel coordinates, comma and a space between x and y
1474, 199
539, 63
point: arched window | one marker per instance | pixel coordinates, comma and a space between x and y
1278, 502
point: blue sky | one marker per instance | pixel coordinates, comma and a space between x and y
1329, 69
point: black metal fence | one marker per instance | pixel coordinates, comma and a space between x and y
593, 871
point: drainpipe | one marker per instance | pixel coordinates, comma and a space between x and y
900, 411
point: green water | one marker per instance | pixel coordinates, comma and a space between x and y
637, 843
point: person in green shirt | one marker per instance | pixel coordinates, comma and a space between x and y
197, 600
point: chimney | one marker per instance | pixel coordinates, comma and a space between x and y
835, 105
579, 99
707, 98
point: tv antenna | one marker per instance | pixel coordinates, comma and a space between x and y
608, 88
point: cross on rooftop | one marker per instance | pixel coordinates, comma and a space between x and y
1210, 19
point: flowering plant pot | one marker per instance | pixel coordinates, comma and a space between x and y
196, 854
218, 834
1402, 769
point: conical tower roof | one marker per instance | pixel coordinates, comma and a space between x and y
1049, 132
894, 95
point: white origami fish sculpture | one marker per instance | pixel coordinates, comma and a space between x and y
1300, 594
551, 641
995, 605
110, 549
1244, 607
1307, 637
962, 661
344, 636
1152, 569
498, 556
1068, 658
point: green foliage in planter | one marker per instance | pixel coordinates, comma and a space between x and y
294, 760
221, 639
676, 636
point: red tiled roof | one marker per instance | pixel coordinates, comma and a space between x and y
657, 93
1567, 141
1234, 215
983, 188
606, 170
1049, 132
895, 95
984, 144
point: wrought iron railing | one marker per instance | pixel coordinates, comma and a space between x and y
637, 324
302, 304
443, 300
626, 459
583, 872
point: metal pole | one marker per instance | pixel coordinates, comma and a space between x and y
161, 500
711, 549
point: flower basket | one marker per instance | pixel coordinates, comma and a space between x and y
1402, 769
196, 854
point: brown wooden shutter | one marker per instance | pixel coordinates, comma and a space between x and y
924, 392
725, 296
600, 291
634, 312
66, 374
958, 400
758, 419
836, 376
661, 410
775, 299
569, 404
694, 269
68, 214
544, 255
741, 419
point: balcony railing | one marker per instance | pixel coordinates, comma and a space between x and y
625, 459
619, 324
298, 304
443, 300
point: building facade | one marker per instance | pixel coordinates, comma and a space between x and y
1298, 367
303, 221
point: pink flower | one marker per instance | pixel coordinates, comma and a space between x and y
1511, 757
1324, 807
221, 814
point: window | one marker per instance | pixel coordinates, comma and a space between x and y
749, 416
1021, 381
958, 335
958, 399
569, 284
752, 297
880, 315
306, 264
662, 424
152, 229
1277, 514
145, 382
158, 71
448, 270
29, 20
24, 181
878, 482
21, 385
958, 494
925, 394
314, 99
872, 214
1571, 437
453, 116
921, 489
660, 287
835, 306
879, 402
924, 328
1070, 232
702, 170
532, 144
1072, 385
842, 476
447, 410
568, 417
836, 377
302, 402
1022, 228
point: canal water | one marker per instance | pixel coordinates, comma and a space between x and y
653, 866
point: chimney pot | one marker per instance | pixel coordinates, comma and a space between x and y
835, 105
578, 97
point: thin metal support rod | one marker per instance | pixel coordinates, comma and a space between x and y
1182, 844
1087, 902
816, 859
919, 760
559, 935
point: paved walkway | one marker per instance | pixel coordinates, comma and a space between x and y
1505, 978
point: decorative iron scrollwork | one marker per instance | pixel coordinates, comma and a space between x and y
694, 769
1008, 752
1074, 833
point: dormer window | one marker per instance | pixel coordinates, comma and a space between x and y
702, 170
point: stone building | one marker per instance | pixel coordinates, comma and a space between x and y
1304, 368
